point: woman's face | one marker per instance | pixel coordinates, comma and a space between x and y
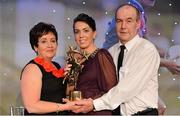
84, 35
47, 46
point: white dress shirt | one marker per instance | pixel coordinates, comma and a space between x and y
137, 88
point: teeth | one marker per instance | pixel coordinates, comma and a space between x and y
82, 41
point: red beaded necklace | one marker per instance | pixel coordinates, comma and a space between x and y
58, 73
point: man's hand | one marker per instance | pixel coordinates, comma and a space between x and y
86, 106
161, 107
171, 66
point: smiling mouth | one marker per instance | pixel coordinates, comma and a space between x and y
50, 50
123, 33
82, 42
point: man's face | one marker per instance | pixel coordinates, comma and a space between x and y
127, 23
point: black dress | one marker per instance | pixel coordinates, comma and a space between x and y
53, 89
97, 77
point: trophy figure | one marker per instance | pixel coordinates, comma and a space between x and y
76, 58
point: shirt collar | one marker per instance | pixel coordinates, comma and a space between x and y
130, 43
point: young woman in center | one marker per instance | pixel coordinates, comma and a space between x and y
99, 73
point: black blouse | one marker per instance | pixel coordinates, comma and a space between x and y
53, 89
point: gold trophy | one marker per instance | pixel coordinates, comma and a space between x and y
76, 58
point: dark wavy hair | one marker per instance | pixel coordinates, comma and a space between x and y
39, 30
85, 18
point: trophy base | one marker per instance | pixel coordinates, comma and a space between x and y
75, 95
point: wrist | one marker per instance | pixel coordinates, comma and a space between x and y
59, 108
94, 109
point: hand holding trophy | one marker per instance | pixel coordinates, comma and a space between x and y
75, 58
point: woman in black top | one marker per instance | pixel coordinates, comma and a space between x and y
41, 80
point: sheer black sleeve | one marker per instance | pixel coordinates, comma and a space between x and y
107, 75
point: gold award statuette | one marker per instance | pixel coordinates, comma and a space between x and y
75, 95
76, 58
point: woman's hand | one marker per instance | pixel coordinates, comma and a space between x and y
70, 105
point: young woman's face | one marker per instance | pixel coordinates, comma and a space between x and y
84, 35
47, 46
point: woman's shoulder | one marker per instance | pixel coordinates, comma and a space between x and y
31, 65
104, 57
104, 54
103, 51
31, 69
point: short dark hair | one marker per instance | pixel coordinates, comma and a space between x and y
39, 30
127, 4
87, 19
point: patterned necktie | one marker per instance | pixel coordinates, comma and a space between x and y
120, 58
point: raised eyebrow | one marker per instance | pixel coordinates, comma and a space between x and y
53, 38
42, 38
86, 28
82, 29
130, 18
118, 19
